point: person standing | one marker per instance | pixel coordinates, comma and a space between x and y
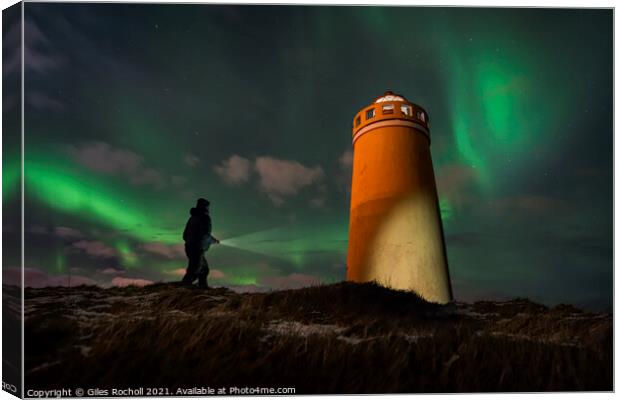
198, 239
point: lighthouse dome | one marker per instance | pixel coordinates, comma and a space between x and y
390, 96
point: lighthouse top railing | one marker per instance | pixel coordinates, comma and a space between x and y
389, 96
391, 106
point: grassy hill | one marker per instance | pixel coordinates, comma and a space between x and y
340, 338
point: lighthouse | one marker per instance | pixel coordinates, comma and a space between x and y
395, 231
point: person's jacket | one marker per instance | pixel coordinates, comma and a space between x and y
198, 228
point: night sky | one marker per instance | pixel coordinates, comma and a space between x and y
134, 111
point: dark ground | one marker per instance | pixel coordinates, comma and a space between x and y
340, 338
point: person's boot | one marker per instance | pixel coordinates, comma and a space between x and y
202, 282
188, 280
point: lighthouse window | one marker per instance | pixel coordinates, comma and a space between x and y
370, 113
358, 121
406, 110
388, 109
421, 116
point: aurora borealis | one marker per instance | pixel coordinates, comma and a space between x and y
133, 111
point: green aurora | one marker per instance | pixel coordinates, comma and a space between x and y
521, 131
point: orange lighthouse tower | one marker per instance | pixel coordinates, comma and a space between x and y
395, 232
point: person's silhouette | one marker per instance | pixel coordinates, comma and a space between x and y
198, 238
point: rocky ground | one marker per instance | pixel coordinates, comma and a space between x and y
340, 338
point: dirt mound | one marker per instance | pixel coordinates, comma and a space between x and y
340, 338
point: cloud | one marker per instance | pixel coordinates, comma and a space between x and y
37, 230
531, 204
36, 278
279, 179
112, 271
12, 41
453, 181
39, 59
164, 250
465, 238
95, 248
216, 274
346, 160
191, 160
292, 281
62, 232
35, 57
176, 272
178, 180
123, 282
148, 176
41, 101
67, 233
213, 273
343, 177
234, 171
317, 202
103, 158
45, 54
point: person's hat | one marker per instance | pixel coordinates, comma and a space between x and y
202, 203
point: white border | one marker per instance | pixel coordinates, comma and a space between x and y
452, 3
23, 190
